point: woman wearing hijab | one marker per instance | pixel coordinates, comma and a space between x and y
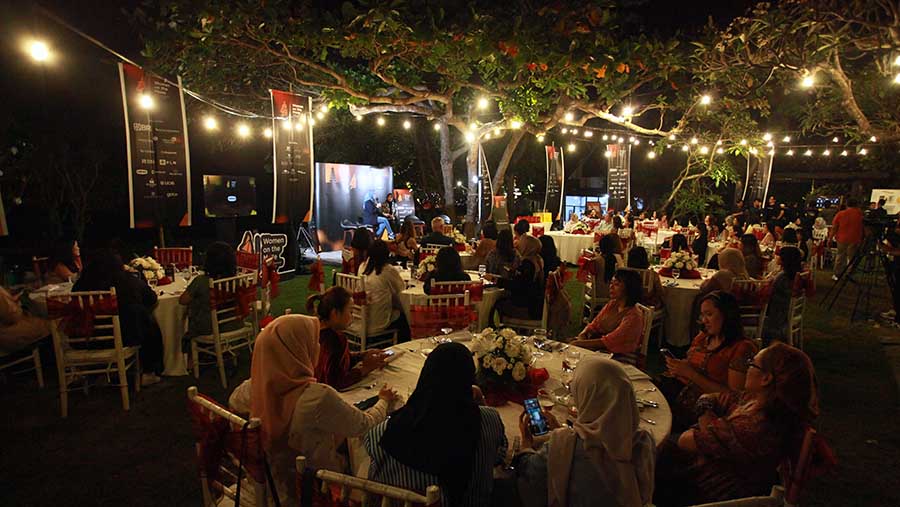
604, 459
525, 285
300, 416
441, 436
731, 268
742, 437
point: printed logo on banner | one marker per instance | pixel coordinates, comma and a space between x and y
618, 179
553, 202
270, 245
292, 150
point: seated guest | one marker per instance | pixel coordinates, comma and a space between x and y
383, 288
753, 257
372, 217
503, 258
447, 268
619, 327
731, 268
771, 236
573, 221
776, 326
604, 455
716, 361
612, 257
789, 237
521, 229
637, 259
436, 236
524, 297
64, 263
548, 255
679, 243
359, 250
701, 244
441, 436
136, 301
664, 221
742, 438
220, 263
488, 242
406, 241
802, 244
300, 416
18, 329
337, 366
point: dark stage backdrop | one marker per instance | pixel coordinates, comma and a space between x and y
340, 192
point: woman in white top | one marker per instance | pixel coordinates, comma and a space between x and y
383, 288
300, 416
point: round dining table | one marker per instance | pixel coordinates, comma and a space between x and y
169, 314
416, 288
402, 374
678, 297
569, 246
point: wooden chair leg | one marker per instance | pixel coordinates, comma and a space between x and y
137, 373
195, 357
220, 361
123, 383
38, 369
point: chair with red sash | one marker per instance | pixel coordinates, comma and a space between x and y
266, 274
325, 488
87, 340
181, 257
659, 313
753, 298
814, 458
429, 314
229, 454
428, 251
358, 333
231, 301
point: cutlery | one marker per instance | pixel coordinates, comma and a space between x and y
648, 403
647, 390
649, 421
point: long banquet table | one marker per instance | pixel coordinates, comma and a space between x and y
403, 373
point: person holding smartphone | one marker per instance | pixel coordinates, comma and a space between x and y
604, 455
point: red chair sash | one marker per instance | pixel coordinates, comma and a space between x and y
665, 253
586, 268
78, 322
217, 436
243, 298
359, 298
428, 320
537, 231
476, 290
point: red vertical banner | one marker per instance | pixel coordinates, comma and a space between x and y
556, 170
159, 164
292, 154
618, 179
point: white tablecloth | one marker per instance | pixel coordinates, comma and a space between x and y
417, 288
569, 246
679, 300
712, 249
652, 243
403, 373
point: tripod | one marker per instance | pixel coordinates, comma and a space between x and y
865, 272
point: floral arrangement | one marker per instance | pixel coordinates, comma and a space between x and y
502, 356
577, 228
148, 267
427, 265
681, 260
458, 237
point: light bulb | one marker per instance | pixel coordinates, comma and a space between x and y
605, 137
473, 126
574, 132
407, 125
897, 61
243, 130
312, 122
743, 142
483, 103
651, 154
719, 142
834, 139
358, 117
873, 139
588, 133
540, 138
808, 81
210, 123
569, 117
685, 148
287, 124
437, 126
631, 139
607, 153
770, 144
767, 137
571, 147
320, 115
458, 183
470, 137
637, 142
897, 79
694, 140
807, 153
705, 100
515, 124
844, 153
324, 109
267, 133
753, 151
627, 111
671, 137
826, 153
863, 151
39, 51
146, 101
704, 150
565, 130
380, 121
497, 131
720, 151
299, 126
787, 139
790, 153
487, 136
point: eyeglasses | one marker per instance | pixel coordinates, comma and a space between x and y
751, 364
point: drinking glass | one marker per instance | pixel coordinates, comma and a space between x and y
572, 357
539, 341
482, 270
676, 273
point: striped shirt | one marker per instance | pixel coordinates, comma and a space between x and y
491, 452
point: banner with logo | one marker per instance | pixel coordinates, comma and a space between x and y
759, 171
292, 157
485, 189
618, 179
404, 205
271, 245
556, 176
499, 213
156, 139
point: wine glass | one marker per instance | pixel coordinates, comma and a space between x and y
482, 270
444, 339
572, 357
676, 273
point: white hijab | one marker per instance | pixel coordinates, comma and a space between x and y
623, 454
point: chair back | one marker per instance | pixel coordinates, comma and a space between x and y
180, 257
793, 473
356, 286
753, 298
426, 250
428, 314
420, 229
475, 288
232, 299
40, 266
324, 488
795, 321
229, 449
248, 261
77, 318
647, 314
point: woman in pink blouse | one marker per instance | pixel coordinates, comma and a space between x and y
619, 326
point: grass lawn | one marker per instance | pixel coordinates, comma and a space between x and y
102, 455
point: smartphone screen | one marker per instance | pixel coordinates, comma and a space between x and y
538, 423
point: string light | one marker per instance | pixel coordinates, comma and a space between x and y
863, 151
571, 147
720, 151
407, 125
243, 130
299, 125
706, 100
835, 139
767, 137
637, 142
671, 137
743, 142
473, 126
497, 131
753, 151
790, 153
312, 123
483, 103
146, 101
873, 139
808, 81
651, 154
210, 123
826, 153
380, 121
719, 142
588, 133
607, 154
565, 130
38, 50
287, 124
770, 144
620, 140
605, 137
627, 111
324, 109
540, 138
320, 115
574, 132
844, 153
358, 117
458, 183
685, 148
787, 139
267, 133
694, 140
487, 136
515, 124
437, 126
807, 153
569, 117
631, 139
704, 150
470, 137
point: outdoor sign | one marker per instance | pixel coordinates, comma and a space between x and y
292, 155
403, 204
341, 191
556, 172
890, 196
618, 179
499, 213
156, 140
270, 245
485, 188
759, 169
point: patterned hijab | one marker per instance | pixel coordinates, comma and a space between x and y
529, 248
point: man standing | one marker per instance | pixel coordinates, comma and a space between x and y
847, 230
754, 214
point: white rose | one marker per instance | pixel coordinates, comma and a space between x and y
679, 264
497, 344
526, 355
487, 361
513, 349
499, 365
149, 275
160, 273
487, 330
518, 372
507, 333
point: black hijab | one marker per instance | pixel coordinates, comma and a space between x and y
438, 430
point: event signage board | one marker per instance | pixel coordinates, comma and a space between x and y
618, 179
499, 213
556, 171
156, 139
341, 190
759, 171
292, 156
891, 198
485, 188
404, 205
270, 245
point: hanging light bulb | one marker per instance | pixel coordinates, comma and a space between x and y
621, 140
320, 115
651, 154
515, 124
299, 125
243, 131
719, 142
487, 136
706, 100
685, 148
671, 137
863, 151
574, 132
844, 153
607, 153
569, 117
38, 50
835, 139
497, 131
767, 137
324, 109
267, 133
571, 147
637, 142
704, 150
826, 153
873, 139
753, 151
808, 81
786, 139
470, 137
380, 121
288, 125
772, 152
312, 122
720, 151
210, 123
770, 144
694, 140
627, 111
473, 126
437, 126
565, 130
631, 139
790, 153
483, 103
540, 138
743, 142
588, 133
357, 117
807, 153
605, 137
407, 125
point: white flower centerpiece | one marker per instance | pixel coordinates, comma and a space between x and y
503, 358
427, 265
147, 267
459, 240
576, 228
682, 260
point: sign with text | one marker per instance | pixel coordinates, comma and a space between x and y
269, 245
156, 139
759, 169
499, 213
485, 189
618, 179
556, 175
404, 204
292, 158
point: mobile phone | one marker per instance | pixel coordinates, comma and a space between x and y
366, 403
667, 353
388, 353
538, 424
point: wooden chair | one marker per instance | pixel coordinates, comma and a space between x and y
181, 257
753, 299
10, 359
428, 314
775, 499
318, 488
358, 332
426, 250
229, 452
96, 314
231, 300
648, 313
795, 321
251, 263
595, 292
420, 229
659, 313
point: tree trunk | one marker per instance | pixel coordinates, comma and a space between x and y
514, 140
447, 170
472, 184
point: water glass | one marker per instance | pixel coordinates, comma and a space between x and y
572, 358
676, 273
482, 270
